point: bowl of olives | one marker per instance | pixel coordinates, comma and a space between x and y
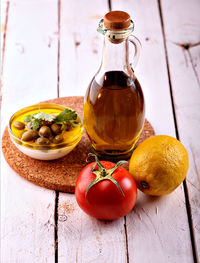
46, 131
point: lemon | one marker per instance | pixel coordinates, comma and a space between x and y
159, 164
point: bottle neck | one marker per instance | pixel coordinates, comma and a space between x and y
115, 57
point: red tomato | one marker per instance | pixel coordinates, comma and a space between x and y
104, 199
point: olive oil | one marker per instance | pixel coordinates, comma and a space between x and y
114, 114
68, 135
20, 117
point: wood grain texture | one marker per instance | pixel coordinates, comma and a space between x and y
30, 48
183, 49
183, 26
149, 223
85, 239
80, 44
30, 75
39, 59
4, 21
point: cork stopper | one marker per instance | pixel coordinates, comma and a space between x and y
117, 20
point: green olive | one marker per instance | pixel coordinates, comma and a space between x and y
19, 125
58, 139
42, 141
35, 134
45, 131
56, 128
29, 135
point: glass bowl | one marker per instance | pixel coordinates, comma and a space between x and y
44, 152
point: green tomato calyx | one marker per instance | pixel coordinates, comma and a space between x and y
103, 174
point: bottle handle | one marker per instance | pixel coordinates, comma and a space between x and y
137, 45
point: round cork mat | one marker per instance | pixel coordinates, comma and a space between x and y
60, 174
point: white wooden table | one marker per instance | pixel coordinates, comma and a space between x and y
51, 48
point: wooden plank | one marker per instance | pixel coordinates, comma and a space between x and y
151, 224
80, 237
35, 79
4, 19
183, 49
84, 239
80, 45
27, 220
30, 75
184, 24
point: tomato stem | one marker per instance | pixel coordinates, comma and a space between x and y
103, 174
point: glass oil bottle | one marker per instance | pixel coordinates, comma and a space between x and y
114, 107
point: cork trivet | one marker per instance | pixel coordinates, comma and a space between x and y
60, 174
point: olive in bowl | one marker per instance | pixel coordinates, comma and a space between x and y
47, 132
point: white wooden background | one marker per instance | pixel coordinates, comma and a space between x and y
51, 48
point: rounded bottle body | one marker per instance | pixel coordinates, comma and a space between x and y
114, 114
